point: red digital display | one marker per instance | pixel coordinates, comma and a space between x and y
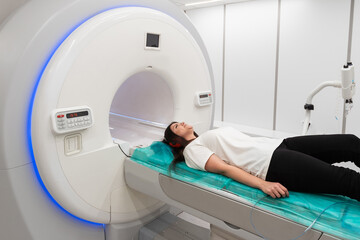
77, 114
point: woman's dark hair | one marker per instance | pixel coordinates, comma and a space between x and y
178, 145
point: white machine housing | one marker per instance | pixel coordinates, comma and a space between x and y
88, 68
93, 55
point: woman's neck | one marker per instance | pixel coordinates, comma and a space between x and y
190, 137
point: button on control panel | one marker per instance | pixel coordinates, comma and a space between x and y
71, 119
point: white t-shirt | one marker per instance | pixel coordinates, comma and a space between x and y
252, 154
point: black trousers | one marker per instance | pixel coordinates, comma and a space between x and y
303, 164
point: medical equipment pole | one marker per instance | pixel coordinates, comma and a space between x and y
309, 106
347, 105
347, 84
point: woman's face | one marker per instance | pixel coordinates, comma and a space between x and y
182, 129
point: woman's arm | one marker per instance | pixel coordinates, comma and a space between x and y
217, 165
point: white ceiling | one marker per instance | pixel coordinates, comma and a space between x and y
191, 4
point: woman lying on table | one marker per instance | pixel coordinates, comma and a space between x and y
275, 166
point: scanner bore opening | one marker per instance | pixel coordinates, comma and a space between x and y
142, 108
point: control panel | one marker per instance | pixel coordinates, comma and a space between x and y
203, 98
67, 120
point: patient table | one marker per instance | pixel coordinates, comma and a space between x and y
229, 204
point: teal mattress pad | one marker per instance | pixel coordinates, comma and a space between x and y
335, 215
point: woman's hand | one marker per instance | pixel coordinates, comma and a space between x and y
275, 190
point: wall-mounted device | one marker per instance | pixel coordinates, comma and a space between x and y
347, 85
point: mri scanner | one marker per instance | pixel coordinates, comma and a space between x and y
83, 83
77, 78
